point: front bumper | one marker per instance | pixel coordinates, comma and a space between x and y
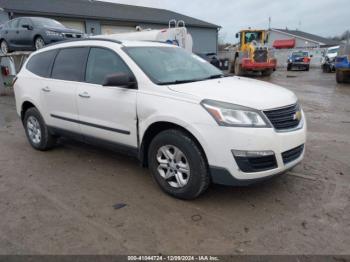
248, 64
220, 141
300, 64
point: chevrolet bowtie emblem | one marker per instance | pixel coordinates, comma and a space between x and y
297, 116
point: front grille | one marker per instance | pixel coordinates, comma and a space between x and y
284, 118
293, 154
260, 55
256, 164
69, 35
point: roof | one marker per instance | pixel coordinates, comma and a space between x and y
307, 36
93, 9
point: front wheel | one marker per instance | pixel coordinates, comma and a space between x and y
39, 43
4, 47
340, 76
178, 165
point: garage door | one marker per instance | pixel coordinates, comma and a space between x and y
74, 25
111, 29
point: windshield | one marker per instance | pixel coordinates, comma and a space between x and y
252, 36
171, 65
41, 22
300, 54
333, 51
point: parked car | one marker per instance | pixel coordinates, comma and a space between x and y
342, 64
213, 59
328, 59
300, 60
175, 112
33, 33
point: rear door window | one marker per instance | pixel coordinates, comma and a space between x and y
13, 24
103, 62
41, 64
70, 64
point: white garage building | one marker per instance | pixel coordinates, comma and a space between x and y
97, 17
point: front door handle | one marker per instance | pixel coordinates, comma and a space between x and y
84, 95
46, 89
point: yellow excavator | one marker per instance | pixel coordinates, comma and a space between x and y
252, 54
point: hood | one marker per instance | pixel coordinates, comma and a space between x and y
332, 55
63, 30
240, 91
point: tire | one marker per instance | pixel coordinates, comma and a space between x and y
36, 130
238, 68
289, 67
307, 68
267, 72
39, 43
4, 47
340, 76
232, 67
185, 185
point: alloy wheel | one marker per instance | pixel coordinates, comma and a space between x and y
39, 43
4, 47
34, 130
173, 166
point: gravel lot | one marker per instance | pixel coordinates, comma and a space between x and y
61, 202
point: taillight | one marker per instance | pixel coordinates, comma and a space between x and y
306, 59
5, 71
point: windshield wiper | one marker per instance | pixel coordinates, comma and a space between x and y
216, 76
176, 82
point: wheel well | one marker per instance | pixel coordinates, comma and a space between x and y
25, 106
157, 128
35, 37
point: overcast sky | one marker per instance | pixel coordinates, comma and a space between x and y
322, 17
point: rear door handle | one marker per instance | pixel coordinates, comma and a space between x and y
84, 95
46, 89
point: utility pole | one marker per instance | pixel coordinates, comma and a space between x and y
269, 22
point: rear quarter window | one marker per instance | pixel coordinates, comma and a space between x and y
41, 64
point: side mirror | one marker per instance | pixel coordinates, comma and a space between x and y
237, 35
28, 27
120, 79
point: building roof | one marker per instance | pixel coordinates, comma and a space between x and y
307, 36
93, 9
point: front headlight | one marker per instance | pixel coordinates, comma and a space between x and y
226, 114
53, 33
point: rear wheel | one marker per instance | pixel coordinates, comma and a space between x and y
178, 165
39, 43
340, 76
267, 72
36, 130
4, 47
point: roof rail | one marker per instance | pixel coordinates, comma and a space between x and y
86, 39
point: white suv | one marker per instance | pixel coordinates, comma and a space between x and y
176, 113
